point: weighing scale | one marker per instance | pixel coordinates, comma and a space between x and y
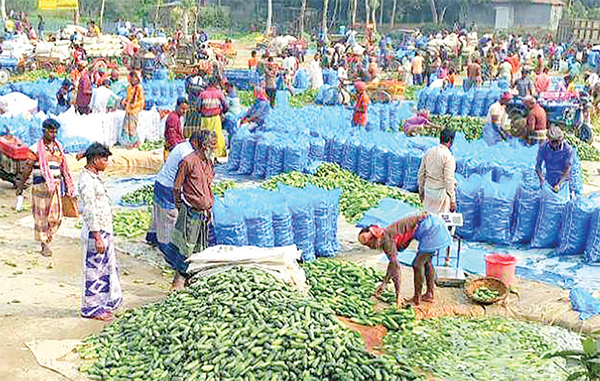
446, 276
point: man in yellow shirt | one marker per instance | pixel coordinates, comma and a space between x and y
417, 69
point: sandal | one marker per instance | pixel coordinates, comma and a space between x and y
106, 316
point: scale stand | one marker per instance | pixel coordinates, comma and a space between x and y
446, 276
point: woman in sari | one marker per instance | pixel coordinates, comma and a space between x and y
134, 104
102, 289
51, 181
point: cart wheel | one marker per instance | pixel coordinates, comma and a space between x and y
202, 37
586, 133
381, 96
4, 75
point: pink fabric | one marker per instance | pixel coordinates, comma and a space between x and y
45, 168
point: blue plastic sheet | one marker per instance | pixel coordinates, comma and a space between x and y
387, 212
575, 225
584, 302
592, 247
547, 227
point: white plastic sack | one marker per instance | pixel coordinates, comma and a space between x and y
18, 103
281, 262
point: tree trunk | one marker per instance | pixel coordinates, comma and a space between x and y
334, 17
302, 15
269, 15
3, 10
354, 7
367, 13
434, 14
102, 14
324, 20
374, 19
185, 22
393, 15
381, 12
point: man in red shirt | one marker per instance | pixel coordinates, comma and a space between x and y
542, 81
359, 119
173, 130
536, 121
212, 107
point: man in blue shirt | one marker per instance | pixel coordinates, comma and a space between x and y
258, 112
557, 157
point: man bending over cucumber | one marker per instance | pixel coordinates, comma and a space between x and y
431, 232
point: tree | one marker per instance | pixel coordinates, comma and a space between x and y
367, 13
434, 12
324, 20
302, 15
354, 8
381, 13
373, 4
3, 10
269, 15
392, 19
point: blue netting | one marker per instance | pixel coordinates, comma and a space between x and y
364, 161
258, 219
455, 102
317, 148
467, 103
276, 159
247, 156
547, 227
575, 225
413, 163
261, 157
351, 151
326, 214
497, 211
468, 199
527, 205
592, 247
282, 223
396, 164
230, 228
379, 164
296, 156
303, 220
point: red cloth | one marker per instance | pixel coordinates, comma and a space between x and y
173, 131
84, 90
542, 83
51, 182
212, 102
360, 110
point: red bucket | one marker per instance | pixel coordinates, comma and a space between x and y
501, 266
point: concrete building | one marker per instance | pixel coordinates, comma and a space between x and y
505, 14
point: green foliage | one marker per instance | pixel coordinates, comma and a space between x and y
585, 364
214, 16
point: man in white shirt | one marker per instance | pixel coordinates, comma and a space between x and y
164, 213
436, 176
290, 65
103, 99
495, 126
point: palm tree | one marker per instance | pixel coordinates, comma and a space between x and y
269, 15
324, 19
302, 14
393, 15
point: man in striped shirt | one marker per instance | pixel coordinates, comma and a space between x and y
212, 107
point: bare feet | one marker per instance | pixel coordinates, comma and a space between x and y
400, 302
428, 297
178, 282
416, 300
46, 251
107, 316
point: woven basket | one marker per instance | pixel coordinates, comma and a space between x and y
491, 283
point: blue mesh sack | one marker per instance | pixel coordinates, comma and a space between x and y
527, 207
303, 220
247, 156
496, 211
379, 164
432, 100
455, 102
468, 199
423, 95
575, 184
592, 247
259, 223
283, 229
229, 225
276, 159
385, 116
442, 102
296, 156
396, 164
317, 148
373, 119
336, 153
326, 207
235, 152
575, 225
364, 161
467, 103
413, 163
351, 151
479, 102
301, 80
547, 226
261, 157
